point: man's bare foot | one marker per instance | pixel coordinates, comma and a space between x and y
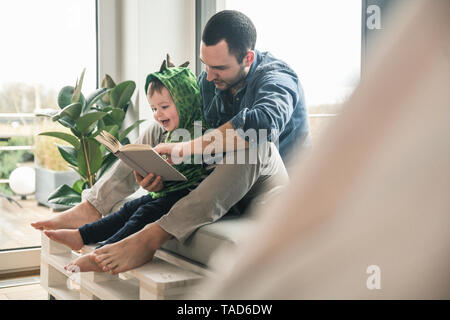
71, 219
68, 237
131, 252
83, 264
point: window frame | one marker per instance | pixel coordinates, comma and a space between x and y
16, 260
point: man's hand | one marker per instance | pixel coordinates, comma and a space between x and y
175, 152
222, 139
149, 183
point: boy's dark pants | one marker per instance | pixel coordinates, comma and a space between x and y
132, 217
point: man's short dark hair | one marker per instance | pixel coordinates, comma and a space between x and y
236, 28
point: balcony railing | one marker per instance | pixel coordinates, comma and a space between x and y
7, 134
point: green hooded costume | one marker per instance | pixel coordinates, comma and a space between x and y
185, 92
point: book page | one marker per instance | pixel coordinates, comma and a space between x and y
132, 147
109, 141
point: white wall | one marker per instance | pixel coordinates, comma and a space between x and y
134, 37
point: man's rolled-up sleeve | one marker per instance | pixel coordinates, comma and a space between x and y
271, 110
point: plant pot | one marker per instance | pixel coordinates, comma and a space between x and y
48, 181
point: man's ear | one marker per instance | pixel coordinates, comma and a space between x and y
249, 58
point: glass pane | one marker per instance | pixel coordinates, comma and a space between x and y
319, 39
45, 46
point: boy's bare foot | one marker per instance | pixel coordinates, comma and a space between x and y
71, 219
83, 264
131, 252
68, 237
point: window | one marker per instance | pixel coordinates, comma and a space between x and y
320, 40
45, 46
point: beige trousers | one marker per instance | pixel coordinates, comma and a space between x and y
228, 186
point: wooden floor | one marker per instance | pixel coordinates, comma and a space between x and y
16, 232
22, 286
28, 292
15, 229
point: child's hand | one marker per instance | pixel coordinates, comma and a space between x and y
148, 183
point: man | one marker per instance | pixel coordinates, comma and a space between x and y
241, 89
374, 222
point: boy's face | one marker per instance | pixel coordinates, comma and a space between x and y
222, 67
164, 109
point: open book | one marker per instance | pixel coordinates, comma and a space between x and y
140, 157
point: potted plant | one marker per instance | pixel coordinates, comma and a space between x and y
52, 170
104, 109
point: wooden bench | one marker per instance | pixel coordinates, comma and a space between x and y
176, 270
166, 277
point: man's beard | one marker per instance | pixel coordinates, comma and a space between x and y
237, 81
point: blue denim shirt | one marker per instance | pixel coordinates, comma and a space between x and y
271, 98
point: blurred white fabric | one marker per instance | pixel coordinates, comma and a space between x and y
375, 190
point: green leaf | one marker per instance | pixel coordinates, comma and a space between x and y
109, 121
107, 108
63, 136
100, 127
78, 186
86, 121
91, 151
65, 195
69, 154
46, 113
66, 121
72, 110
117, 116
121, 94
105, 100
108, 161
93, 98
125, 141
125, 132
114, 129
65, 96
77, 91
75, 132
75, 169
108, 82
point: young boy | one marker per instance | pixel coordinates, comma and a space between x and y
174, 97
